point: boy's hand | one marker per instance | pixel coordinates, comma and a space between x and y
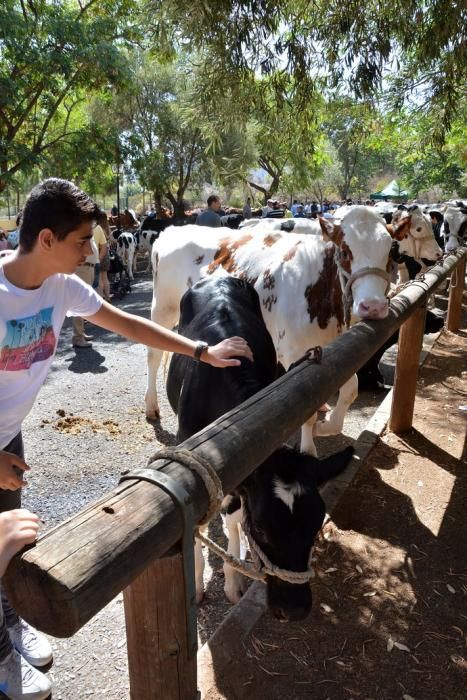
11, 471
220, 355
17, 528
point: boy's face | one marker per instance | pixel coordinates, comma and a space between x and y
74, 249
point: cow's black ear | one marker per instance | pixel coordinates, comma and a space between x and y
330, 467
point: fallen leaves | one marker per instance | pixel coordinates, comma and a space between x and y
326, 609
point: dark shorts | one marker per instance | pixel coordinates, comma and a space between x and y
9, 500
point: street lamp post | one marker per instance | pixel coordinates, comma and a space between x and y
118, 197
116, 172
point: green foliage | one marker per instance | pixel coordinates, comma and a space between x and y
166, 132
334, 45
354, 130
425, 164
52, 56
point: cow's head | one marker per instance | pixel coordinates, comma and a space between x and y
414, 233
454, 227
284, 512
363, 254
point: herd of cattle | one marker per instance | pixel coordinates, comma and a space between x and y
284, 285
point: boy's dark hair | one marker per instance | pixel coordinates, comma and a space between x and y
55, 204
213, 198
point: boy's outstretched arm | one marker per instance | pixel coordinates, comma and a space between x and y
143, 331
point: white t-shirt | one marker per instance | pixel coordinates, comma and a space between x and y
30, 323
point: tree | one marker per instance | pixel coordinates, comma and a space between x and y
164, 132
287, 137
336, 44
53, 55
426, 165
355, 130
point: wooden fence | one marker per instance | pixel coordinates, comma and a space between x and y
125, 540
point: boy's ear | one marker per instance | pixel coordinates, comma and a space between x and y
46, 238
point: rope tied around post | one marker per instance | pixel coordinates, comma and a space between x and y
197, 464
261, 566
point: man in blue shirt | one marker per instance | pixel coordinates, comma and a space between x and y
210, 216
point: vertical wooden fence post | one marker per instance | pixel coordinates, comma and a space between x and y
456, 292
160, 664
405, 381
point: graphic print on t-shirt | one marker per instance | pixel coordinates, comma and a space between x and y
27, 340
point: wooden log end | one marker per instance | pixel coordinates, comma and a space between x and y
52, 612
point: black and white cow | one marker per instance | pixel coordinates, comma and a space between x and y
144, 241
454, 228
280, 500
126, 247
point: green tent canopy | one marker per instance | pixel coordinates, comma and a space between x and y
391, 191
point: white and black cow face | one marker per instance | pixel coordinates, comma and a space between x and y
284, 513
454, 228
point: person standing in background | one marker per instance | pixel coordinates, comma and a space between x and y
210, 216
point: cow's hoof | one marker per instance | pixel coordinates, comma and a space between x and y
235, 589
153, 415
323, 428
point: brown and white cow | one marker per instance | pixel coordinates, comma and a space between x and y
298, 279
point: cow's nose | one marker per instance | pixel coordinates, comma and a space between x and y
373, 308
279, 614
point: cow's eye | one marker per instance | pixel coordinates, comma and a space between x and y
260, 532
419, 228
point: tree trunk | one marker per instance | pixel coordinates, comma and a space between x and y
179, 209
158, 202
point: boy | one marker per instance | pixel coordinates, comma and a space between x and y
37, 290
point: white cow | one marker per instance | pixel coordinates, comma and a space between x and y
297, 277
126, 247
420, 239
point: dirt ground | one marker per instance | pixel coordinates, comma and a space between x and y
88, 425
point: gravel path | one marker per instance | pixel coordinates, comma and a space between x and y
86, 427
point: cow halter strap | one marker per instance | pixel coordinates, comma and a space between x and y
347, 280
261, 566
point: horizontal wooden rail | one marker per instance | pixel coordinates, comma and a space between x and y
79, 566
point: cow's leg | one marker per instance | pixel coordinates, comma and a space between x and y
199, 571
307, 443
235, 583
334, 421
131, 258
166, 316
149, 265
135, 258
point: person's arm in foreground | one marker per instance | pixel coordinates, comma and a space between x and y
17, 529
11, 471
143, 331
